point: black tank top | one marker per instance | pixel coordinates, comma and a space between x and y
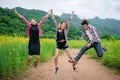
60, 35
34, 37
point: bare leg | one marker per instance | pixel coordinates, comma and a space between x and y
36, 61
29, 60
67, 51
70, 57
56, 57
56, 60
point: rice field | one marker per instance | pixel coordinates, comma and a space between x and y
14, 53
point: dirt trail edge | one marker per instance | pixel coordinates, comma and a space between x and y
87, 69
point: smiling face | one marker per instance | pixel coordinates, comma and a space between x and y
62, 25
33, 22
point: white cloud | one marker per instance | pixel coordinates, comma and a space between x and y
83, 8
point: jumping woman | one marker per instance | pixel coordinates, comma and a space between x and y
61, 38
33, 31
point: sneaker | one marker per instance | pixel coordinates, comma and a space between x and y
56, 70
74, 67
35, 64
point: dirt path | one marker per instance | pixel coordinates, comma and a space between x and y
87, 69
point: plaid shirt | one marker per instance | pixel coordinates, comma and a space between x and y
93, 32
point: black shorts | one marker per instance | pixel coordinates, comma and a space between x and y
62, 45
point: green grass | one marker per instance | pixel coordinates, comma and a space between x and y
14, 54
111, 58
76, 43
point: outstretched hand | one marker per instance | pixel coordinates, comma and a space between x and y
17, 13
72, 15
72, 12
51, 11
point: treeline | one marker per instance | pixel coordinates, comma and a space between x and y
11, 24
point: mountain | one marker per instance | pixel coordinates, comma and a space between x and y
75, 21
104, 26
11, 24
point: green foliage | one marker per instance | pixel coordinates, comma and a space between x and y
108, 37
11, 24
13, 54
111, 58
106, 26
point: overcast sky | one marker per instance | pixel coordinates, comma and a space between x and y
83, 8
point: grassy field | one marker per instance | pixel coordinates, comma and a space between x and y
14, 53
111, 58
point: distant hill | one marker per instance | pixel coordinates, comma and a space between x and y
11, 24
104, 26
107, 26
75, 21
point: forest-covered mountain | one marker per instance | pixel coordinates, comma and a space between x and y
11, 24
75, 21
106, 27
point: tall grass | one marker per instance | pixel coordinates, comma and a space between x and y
14, 53
111, 58
76, 43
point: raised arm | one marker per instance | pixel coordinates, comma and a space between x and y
53, 18
70, 20
22, 17
18, 13
43, 19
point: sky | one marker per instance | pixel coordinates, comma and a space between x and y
83, 8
